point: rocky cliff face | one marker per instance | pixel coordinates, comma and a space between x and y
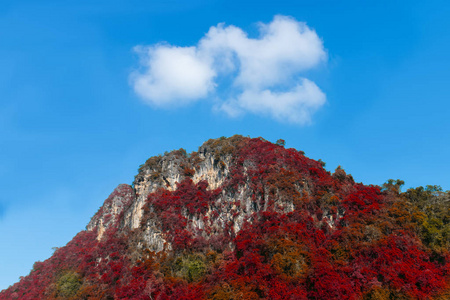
218, 163
124, 207
112, 210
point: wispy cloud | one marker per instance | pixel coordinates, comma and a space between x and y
256, 75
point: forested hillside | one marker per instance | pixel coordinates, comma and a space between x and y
244, 218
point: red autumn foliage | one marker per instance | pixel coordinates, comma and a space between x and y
308, 235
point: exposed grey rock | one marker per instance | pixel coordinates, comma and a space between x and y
112, 209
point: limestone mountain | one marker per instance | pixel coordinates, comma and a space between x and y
244, 218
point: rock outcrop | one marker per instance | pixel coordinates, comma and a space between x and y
112, 209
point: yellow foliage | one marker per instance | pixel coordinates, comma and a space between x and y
235, 290
382, 293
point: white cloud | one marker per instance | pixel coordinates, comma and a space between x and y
285, 47
294, 106
264, 72
173, 75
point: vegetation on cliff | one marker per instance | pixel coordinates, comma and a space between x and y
305, 234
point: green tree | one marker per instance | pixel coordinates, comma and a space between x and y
393, 186
68, 284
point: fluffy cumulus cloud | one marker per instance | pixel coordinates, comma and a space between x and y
256, 75
174, 75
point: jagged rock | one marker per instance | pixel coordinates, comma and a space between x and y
112, 209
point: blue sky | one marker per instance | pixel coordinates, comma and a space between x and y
73, 126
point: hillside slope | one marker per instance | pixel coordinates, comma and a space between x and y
248, 219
